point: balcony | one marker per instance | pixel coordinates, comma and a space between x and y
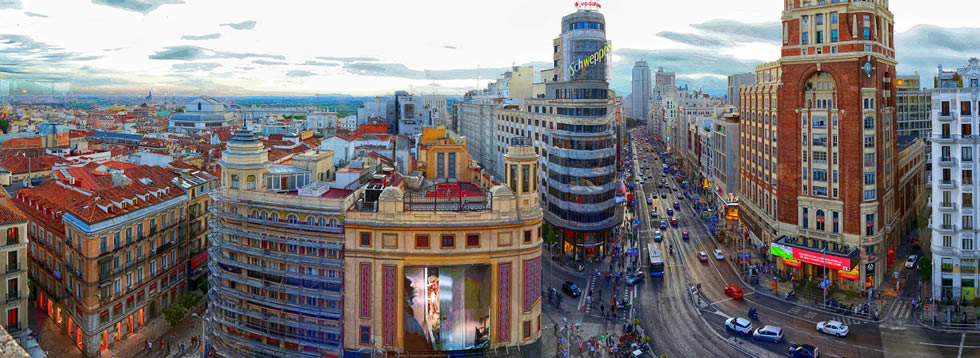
946, 116
947, 184
946, 138
946, 228
947, 206
947, 161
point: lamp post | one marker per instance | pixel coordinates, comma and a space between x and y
204, 345
372, 347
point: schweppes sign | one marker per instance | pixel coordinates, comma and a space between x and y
593, 59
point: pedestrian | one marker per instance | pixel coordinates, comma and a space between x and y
579, 348
181, 347
149, 345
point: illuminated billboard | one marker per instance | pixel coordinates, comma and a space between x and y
447, 308
797, 254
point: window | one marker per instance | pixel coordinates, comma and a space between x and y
869, 123
527, 236
421, 241
365, 239
869, 220
819, 19
869, 195
103, 245
819, 39
234, 182
365, 335
806, 40
472, 240
527, 329
867, 27
965, 108
836, 222
250, 182
869, 178
967, 223
968, 245
806, 220
833, 18
821, 226
947, 264
967, 153
448, 241
869, 141
947, 241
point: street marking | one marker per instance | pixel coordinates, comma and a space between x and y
962, 338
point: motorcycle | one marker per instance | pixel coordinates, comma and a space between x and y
754, 315
789, 294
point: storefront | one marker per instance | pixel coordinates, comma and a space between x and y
839, 267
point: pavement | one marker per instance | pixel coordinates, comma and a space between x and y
57, 344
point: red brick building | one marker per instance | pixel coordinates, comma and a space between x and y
828, 184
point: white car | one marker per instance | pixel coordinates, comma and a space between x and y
739, 324
720, 255
834, 328
702, 256
768, 333
910, 263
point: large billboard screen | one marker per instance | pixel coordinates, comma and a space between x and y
447, 308
813, 257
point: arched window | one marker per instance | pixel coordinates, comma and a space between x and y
254, 214
234, 182
274, 217
820, 220
333, 222
292, 219
311, 221
198, 106
265, 215
321, 222
250, 182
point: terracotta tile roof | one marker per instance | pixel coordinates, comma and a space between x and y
10, 213
19, 164
148, 186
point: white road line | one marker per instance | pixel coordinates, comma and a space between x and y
717, 302
962, 338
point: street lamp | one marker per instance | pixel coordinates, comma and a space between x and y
204, 346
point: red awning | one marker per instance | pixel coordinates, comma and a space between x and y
173, 275
153, 286
272, 341
103, 314
131, 298
164, 295
182, 285
117, 307
140, 294
199, 259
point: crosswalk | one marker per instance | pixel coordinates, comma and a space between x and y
899, 309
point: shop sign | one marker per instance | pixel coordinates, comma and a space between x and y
791, 262
852, 274
593, 59
812, 257
869, 269
447, 191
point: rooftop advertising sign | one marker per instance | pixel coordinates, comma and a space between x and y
593, 59
813, 257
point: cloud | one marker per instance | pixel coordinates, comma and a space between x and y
188, 53
192, 67
402, 71
244, 25
348, 59
141, 6
743, 31
318, 63
692, 39
178, 53
28, 52
299, 73
34, 14
270, 63
924, 47
112, 49
201, 37
9, 4
449, 47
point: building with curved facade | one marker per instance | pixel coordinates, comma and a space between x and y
573, 129
276, 255
446, 262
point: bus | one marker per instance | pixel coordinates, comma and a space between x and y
656, 261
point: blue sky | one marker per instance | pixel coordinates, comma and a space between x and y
242, 47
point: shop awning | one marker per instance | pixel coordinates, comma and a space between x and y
140, 294
104, 314
131, 298
117, 307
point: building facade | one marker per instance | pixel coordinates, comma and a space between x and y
735, 82
108, 251
954, 150
641, 92
441, 263
200, 114
276, 272
913, 107
724, 172
13, 260
835, 167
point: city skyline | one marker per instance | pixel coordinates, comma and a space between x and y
238, 48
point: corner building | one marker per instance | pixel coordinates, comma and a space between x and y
824, 196
446, 262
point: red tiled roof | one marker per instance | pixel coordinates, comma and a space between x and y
10, 213
19, 164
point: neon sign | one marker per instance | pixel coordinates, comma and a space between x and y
588, 4
447, 191
593, 59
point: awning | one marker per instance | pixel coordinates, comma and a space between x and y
173, 275
131, 298
153, 286
201, 258
117, 307
140, 294
104, 314
164, 295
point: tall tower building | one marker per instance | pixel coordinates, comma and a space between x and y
572, 127
824, 197
641, 91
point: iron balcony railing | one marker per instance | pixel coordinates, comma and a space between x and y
218, 241
228, 305
222, 259
276, 286
220, 228
272, 302
256, 349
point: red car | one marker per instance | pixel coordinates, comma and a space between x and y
734, 291
686, 236
673, 222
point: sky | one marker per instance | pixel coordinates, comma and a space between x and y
292, 47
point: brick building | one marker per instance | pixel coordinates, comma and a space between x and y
828, 187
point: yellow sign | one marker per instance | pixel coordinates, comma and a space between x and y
597, 56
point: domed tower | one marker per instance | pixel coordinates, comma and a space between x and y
244, 162
521, 165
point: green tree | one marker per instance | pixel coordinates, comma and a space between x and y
190, 299
203, 286
174, 313
179, 110
4, 125
925, 268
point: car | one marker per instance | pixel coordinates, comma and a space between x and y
739, 325
670, 212
768, 333
641, 181
633, 279
702, 256
663, 225
663, 175
569, 288
720, 255
673, 187
910, 263
680, 196
660, 186
650, 201
834, 328
658, 236
673, 222
654, 195
734, 292
803, 351
653, 213
685, 236
677, 206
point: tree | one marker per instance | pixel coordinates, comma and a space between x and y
179, 110
174, 313
143, 104
925, 268
4, 125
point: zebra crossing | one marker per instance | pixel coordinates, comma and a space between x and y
900, 309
